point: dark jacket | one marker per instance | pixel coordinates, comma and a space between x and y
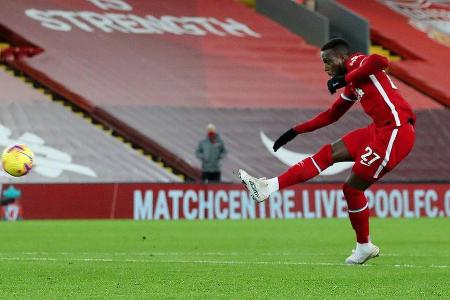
210, 154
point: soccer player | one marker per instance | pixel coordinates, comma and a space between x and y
376, 149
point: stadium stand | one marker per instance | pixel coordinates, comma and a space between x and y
165, 78
426, 59
241, 130
67, 148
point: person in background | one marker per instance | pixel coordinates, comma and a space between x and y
309, 4
210, 151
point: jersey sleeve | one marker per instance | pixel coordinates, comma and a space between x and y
331, 115
362, 67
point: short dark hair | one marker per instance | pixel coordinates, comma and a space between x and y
336, 43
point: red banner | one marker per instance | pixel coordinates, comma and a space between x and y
221, 201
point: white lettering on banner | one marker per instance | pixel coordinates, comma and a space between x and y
168, 24
430, 210
47, 21
318, 203
447, 203
162, 209
247, 206
307, 214
163, 25
235, 28
396, 204
112, 4
381, 204
341, 205
131, 24
288, 203
221, 196
175, 195
206, 205
234, 204
88, 21
329, 200
143, 208
408, 213
204, 22
72, 18
102, 22
190, 213
190, 27
419, 202
275, 201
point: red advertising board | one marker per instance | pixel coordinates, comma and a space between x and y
141, 201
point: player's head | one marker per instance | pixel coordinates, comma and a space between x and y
334, 54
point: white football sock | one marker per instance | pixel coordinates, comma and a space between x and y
364, 246
272, 185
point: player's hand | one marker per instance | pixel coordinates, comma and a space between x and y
284, 139
336, 83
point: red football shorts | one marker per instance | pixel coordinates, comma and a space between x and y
377, 151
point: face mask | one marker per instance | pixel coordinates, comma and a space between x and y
212, 136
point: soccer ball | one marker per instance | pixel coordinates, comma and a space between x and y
17, 160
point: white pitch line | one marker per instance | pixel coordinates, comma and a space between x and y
211, 254
29, 258
215, 262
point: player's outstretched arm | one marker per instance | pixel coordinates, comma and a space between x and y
331, 115
370, 65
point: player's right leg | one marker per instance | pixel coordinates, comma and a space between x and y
386, 148
300, 172
358, 212
260, 189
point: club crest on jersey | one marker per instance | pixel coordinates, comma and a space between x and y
359, 93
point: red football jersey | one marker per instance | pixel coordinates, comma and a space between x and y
377, 93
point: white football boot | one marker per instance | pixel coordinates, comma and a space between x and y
258, 187
363, 253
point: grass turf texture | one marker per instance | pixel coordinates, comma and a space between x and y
228, 259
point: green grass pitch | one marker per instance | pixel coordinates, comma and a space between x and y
221, 259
